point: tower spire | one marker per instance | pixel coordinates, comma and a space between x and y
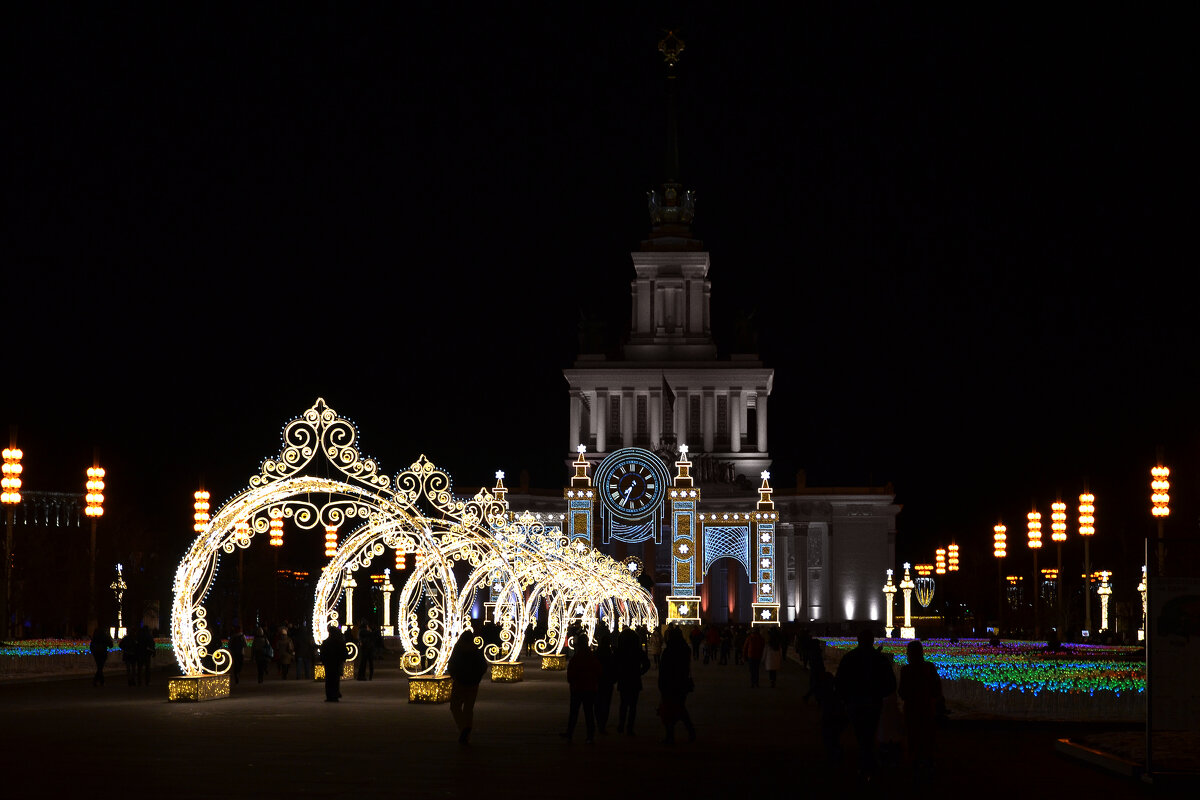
671, 207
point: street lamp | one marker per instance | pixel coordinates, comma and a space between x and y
1160, 506
1087, 530
10, 498
1058, 533
939, 559
999, 550
200, 516
952, 558
330, 540
1034, 524
93, 511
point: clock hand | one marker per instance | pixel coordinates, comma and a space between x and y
628, 492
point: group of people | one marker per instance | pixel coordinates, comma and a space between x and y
865, 694
137, 653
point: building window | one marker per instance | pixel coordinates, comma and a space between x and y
694, 419
723, 418
614, 415
642, 423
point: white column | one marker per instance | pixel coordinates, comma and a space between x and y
708, 415
655, 411
627, 420
735, 420
601, 417
576, 436
761, 415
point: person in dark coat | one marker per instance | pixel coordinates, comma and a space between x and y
367, 644
583, 676
921, 691
101, 642
466, 667
608, 678
630, 663
333, 656
261, 651
145, 654
863, 679
237, 651
674, 683
129, 656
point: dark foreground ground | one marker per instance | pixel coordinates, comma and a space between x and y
279, 738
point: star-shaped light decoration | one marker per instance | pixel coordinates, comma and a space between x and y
581, 547
499, 474
684, 549
766, 537
766, 613
683, 449
581, 449
766, 588
683, 609
766, 476
632, 567
766, 563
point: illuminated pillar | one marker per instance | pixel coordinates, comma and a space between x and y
907, 585
736, 412
1142, 591
387, 630
762, 529
889, 594
1058, 533
1000, 550
760, 415
350, 586
118, 586
1160, 501
683, 604
1035, 543
1105, 591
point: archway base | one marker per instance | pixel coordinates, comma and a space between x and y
197, 688
557, 662
429, 688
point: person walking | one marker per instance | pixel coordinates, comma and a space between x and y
753, 652
466, 668
285, 652
608, 678
630, 664
101, 642
145, 655
863, 679
583, 676
674, 684
237, 651
333, 656
921, 691
366, 667
773, 655
261, 651
129, 657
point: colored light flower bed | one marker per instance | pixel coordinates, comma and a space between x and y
63, 647
1027, 667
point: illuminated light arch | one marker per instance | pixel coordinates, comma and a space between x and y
533, 563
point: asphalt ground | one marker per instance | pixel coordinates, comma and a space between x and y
280, 738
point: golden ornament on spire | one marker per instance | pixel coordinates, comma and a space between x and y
671, 47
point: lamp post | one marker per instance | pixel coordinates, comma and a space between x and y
907, 585
200, 516
350, 585
10, 498
94, 510
1160, 506
1034, 520
1058, 534
386, 630
1087, 530
889, 592
118, 586
999, 550
275, 526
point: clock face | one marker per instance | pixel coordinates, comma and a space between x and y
633, 483
632, 487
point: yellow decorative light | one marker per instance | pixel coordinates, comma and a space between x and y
276, 527
1058, 521
1086, 511
201, 516
95, 492
1035, 529
1000, 535
952, 558
924, 570
400, 556
1159, 488
939, 559
330, 540
12, 476
197, 688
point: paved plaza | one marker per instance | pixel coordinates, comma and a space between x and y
281, 738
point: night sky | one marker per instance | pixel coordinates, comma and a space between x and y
964, 238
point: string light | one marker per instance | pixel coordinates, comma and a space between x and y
1058, 521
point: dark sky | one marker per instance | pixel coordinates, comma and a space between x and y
964, 236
